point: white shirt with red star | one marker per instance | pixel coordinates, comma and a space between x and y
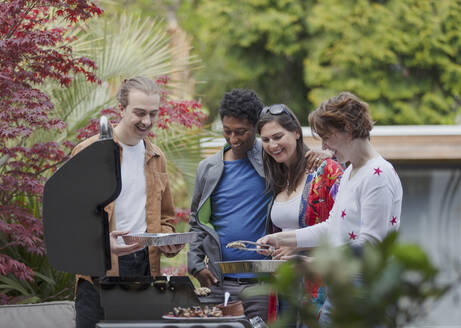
367, 207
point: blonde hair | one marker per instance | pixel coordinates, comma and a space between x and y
144, 84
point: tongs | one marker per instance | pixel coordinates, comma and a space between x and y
249, 242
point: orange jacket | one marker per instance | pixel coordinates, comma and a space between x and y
160, 210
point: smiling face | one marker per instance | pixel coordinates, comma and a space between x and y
279, 143
339, 143
239, 134
138, 117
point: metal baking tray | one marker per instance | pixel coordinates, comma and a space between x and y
160, 239
262, 266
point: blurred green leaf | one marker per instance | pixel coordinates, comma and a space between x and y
413, 257
388, 284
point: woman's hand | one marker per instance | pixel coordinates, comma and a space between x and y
282, 252
271, 240
119, 249
315, 158
277, 240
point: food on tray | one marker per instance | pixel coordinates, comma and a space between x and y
197, 312
235, 244
202, 291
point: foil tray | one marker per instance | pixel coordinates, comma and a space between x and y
160, 239
248, 266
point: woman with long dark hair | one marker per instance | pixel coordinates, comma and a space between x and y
301, 199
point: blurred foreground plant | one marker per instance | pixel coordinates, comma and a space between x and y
390, 284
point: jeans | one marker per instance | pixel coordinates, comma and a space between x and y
324, 319
135, 264
88, 309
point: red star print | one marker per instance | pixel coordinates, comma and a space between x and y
394, 220
378, 171
352, 235
343, 213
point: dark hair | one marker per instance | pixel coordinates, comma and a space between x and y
278, 176
344, 112
144, 84
241, 103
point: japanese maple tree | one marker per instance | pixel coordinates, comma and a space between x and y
33, 50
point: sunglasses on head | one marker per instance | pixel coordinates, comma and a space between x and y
276, 109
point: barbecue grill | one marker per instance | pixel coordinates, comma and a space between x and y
77, 240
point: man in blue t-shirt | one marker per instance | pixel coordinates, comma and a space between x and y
230, 202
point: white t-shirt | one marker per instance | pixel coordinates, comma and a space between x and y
285, 215
130, 205
367, 207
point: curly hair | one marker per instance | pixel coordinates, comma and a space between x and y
241, 103
344, 112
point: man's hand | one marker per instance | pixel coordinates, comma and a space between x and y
119, 249
171, 250
206, 278
315, 158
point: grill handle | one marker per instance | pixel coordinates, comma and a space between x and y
105, 129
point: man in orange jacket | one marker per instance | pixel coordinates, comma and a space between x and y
145, 203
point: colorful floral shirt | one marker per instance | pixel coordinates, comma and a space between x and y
322, 192
316, 202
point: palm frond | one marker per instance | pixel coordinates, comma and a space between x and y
183, 150
8, 284
122, 46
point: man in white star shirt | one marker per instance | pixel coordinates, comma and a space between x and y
369, 199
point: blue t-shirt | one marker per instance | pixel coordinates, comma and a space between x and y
239, 208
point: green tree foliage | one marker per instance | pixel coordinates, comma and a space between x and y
255, 44
400, 56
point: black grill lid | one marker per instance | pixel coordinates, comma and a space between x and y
75, 224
